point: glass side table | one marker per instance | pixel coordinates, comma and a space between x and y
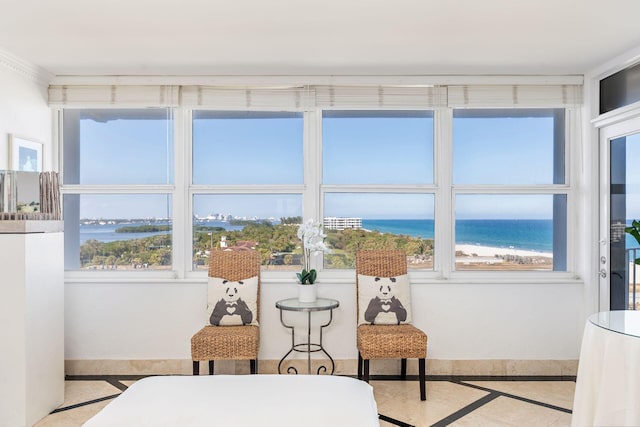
321, 304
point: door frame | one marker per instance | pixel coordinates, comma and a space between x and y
622, 122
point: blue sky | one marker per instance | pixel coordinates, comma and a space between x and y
260, 148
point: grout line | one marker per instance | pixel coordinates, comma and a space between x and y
454, 378
516, 397
117, 384
394, 421
89, 402
466, 410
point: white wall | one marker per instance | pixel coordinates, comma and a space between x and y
473, 321
23, 106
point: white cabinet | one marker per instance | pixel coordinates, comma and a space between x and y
31, 321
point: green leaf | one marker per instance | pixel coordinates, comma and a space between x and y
312, 276
303, 276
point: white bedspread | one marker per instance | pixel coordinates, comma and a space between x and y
242, 400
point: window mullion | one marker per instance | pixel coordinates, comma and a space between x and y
444, 205
311, 197
181, 206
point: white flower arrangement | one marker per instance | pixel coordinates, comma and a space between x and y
312, 237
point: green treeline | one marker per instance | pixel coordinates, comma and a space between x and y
153, 250
277, 244
143, 229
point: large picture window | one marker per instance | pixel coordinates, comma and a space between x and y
464, 179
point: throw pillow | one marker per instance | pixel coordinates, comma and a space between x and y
384, 300
232, 303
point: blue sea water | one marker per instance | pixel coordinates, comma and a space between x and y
524, 234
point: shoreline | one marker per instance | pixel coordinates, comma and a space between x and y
490, 251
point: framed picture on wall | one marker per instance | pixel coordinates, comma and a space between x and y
25, 154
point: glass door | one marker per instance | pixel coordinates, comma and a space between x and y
619, 207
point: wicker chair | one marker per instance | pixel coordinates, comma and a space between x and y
213, 343
388, 341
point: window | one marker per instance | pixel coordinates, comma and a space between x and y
378, 184
510, 198
239, 160
117, 176
465, 179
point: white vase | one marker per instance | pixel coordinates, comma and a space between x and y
307, 292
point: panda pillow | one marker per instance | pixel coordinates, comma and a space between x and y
384, 300
232, 303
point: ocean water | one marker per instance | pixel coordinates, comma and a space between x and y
524, 234
107, 232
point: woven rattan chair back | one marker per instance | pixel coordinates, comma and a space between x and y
234, 266
381, 263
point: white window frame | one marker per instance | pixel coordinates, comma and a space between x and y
313, 190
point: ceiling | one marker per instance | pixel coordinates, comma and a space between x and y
330, 37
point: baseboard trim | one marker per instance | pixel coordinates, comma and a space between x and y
435, 367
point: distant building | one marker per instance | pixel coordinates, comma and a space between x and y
340, 223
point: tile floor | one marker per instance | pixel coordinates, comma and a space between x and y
455, 401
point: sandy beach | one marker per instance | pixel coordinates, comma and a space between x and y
488, 251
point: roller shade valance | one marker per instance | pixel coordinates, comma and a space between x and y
322, 96
290, 99
514, 96
114, 95
380, 97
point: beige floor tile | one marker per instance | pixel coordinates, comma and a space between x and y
558, 393
507, 412
401, 400
83, 391
72, 417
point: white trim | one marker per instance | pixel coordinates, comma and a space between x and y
511, 189
618, 115
378, 188
117, 189
24, 68
180, 256
288, 81
417, 277
248, 189
444, 215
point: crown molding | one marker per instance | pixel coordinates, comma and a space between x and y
301, 81
24, 68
